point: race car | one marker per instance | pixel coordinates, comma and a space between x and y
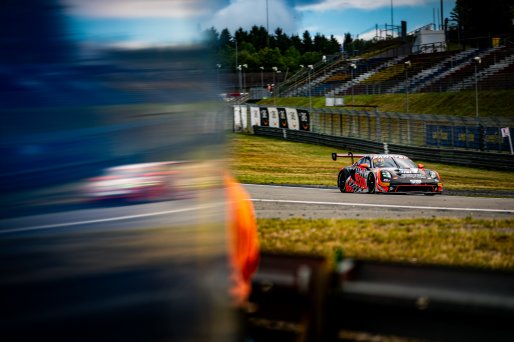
134, 182
387, 173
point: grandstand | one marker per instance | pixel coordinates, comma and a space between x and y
447, 71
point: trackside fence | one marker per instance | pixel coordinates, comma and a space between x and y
466, 141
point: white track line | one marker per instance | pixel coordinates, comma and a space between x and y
104, 220
305, 187
394, 206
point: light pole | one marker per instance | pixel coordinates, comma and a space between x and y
407, 65
262, 76
477, 60
352, 68
239, 67
278, 82
244, 77
218, 66
310, 66
275, 71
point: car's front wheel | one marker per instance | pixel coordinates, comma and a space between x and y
371, 184
341, 180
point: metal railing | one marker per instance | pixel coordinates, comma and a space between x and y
300, 298
467, 141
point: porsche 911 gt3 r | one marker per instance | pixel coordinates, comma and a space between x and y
387, 173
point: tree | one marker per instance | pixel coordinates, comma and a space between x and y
307, 42
281, 40
241, 36
225, 39
333, 45
296, 42
479, 20
211, 36
311, 57
258, 36
292, 58
347, 44
320, 43
270, 57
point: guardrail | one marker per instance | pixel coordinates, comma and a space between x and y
300, 298
457, 157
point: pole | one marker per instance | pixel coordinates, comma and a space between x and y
406, 93
510, 142
407, 65
352, 89
310, 99
442, 15
352, 67
392, 21
244, 77
267, 24
476, 92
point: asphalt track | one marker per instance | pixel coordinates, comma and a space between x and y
270, 202
310, 202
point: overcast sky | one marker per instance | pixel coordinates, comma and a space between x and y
163, 22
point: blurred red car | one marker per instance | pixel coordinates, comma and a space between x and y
135, 182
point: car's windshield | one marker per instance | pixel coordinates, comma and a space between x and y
383, 162
405, 163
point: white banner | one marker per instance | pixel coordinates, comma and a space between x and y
244, 117
255, 116
237, 119
292, 118
273, 117
505, 132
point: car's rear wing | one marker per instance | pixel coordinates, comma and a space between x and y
349, 155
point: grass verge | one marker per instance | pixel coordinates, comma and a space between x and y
261, 160
443, 241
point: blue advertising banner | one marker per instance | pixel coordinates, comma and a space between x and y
474, 137
439, 135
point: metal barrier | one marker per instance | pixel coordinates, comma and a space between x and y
414, 130
420, 130
471, 158
300, 298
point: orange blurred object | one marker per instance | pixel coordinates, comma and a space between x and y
244, 244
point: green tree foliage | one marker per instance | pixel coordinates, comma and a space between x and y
257, 48
347, 43
270, 57
475, 21
225, 39
307, 44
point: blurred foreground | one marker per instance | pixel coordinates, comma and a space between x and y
140, 134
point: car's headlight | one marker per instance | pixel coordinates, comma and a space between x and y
385, 175
433, 175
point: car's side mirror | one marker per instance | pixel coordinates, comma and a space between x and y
364, 166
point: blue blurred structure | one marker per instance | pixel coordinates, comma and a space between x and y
107, 273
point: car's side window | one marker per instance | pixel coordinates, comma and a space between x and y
364, 160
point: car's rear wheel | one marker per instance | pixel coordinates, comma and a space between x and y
371, 184
341, 180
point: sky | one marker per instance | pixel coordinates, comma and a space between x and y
139, 23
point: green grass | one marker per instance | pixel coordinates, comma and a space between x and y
262, 160
442, 241
445, 241
490, 103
